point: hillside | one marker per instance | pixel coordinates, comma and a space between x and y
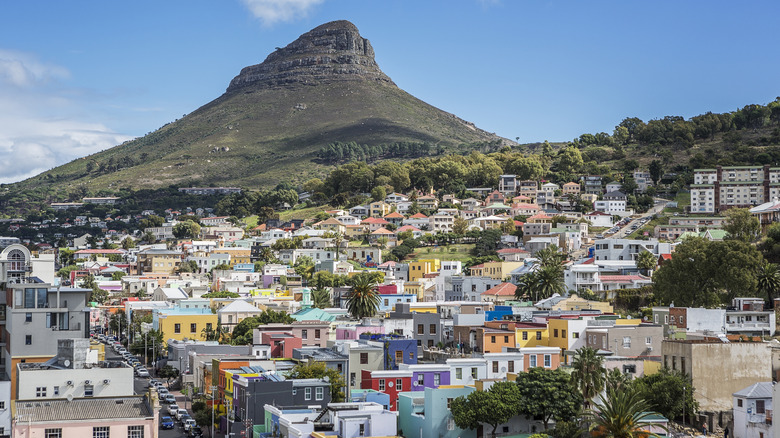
274, 117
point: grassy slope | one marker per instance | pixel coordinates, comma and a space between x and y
269, 140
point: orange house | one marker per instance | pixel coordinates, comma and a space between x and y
493, 340
544, 357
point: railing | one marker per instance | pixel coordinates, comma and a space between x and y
758, 418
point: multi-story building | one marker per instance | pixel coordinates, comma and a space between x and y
643, 180
613, 203
571, 189
528, 188
507, 185
593, 185
722, 188
627, 249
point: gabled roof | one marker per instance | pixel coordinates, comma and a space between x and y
503, 289
329, 221
239, 306
407, 228
383, 230
394, 215
374, 220
756, 390
418, 216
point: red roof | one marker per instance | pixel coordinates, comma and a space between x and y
100, 251
418, 216
383, 230
503, 289
374, 220
666, 256
588, 261
394, 215
407, 228
511, 251
621, 278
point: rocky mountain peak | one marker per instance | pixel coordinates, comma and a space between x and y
330, 52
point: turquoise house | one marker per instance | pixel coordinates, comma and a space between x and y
427, 414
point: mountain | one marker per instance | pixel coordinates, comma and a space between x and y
270, 123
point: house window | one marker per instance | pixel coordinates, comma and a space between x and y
304, 334
495, 366
89, 390
177, 328
449, 403
40, 391
399, 384
626, 341
511, 367
563, 334
421, 379
362, 430
317, 334
760, 407
492, 339
547, 360
135, 432
319, 393
28, 340
474, 373
433, 329
575, 335
525, 336
649, 340
307, 393
459, 373
399, 356
538, 336
100, 432
506, 339
555, 333
532, 360
436, 379
208, 326
2, 405
193, 327
28, 317
52, 433
629, 369
420, 329
411, 356
56, 390
363, 358
739, 402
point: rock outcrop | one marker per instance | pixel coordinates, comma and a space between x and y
331, 52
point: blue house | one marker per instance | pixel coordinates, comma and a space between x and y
396, 349
387, 302
427, 412
498, 313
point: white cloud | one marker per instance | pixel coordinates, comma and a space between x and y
273, 11
41, 124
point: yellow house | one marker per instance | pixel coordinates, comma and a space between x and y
379, 209
237, 255
331, 225
418, 268
414, 287
531, 334
574, 302
354, 232
184, 323
158, 261
495, 270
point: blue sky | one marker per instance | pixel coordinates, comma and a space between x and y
80, 76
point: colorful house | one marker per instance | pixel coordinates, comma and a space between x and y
429, 412
390, 382
184, 323
419, 268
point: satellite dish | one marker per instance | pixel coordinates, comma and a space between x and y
70, 397
67, 363
326, 378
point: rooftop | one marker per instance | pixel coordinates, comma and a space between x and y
80, 409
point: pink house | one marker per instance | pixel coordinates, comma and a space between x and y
127, 416
312, 333
282, 344
354, 331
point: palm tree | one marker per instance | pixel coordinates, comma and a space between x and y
320, 297
769, 281
646, 261
526, 286
549, 281
588, 374
622, 414
363, 301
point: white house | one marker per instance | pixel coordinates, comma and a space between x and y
752, 409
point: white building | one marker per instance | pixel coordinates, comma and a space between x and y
752, 409
613, 203
628, 249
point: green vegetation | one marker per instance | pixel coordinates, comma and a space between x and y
318, 370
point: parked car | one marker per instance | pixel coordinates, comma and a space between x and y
188, 424
162, 392
172, 408
166, 423
195, 432
180, 413
153, 383
169, 398
183, 420
141, 372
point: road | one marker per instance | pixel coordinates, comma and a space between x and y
141, 386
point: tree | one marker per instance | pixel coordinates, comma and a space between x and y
460, 225
617, 381
320, 297
128, 243
363, 301
186, 229
495, 406
318, 370
588, 373
242, 332
115, 276
646, 261
741, 225
768, 281
548, 394
203, 416
304, 266
168, 372
668, 392
622, 414
656, 170
378, 194
570, 160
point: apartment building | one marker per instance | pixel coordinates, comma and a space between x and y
719, 189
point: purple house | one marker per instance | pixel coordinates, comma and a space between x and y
428, 375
